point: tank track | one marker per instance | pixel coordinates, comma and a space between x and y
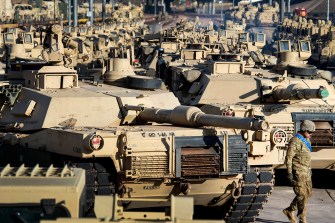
97, 183
250, 194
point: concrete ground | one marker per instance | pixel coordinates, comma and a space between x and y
321, 207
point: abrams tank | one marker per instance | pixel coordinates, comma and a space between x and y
267, 15
230, 89
51, 194
30, 194
131, 142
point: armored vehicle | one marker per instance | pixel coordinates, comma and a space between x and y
230, 89
117, 135
267, 15
51, 194
35, 193
320, 34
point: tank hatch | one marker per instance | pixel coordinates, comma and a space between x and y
51, 77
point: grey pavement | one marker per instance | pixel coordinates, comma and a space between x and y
321, 207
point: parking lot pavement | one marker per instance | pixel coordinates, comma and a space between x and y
321, 207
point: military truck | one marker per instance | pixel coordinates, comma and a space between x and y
117, 135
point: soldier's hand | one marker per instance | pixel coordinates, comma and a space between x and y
290, 178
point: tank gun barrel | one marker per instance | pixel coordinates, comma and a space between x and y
294, 91
194, 117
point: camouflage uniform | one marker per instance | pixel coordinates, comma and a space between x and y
298, 162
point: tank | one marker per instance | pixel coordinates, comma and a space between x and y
320, 34
38, 193
301, 92
24, 12
132, 142
267, 15
51, 194
79, 48
260, 15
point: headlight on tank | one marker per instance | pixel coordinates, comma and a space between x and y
278, 137
93, 142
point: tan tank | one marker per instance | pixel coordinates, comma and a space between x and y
260, 15
323, 48
50, 194
238, 45
119, 137
268, 15
250, 14
228, 88
6, 11
231, 30
29, 12
86, 50
320, 34
41, 192
49, 11
327, 54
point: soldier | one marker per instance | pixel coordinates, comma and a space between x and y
298, 162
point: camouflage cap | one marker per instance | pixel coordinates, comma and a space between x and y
307, 125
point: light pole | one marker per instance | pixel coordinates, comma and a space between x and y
69, 12
91, 13
75, 13
54, 11
213, 7
103, 15
288, 6
327, 10
220, 2
155, 2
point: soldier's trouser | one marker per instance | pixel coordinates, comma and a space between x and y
303, 190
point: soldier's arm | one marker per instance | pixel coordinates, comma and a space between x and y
290, 154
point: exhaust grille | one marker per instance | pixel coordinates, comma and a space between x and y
237, 155
199, 162
322, 137
150, 166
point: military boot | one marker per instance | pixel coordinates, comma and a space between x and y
303, 220
290, 215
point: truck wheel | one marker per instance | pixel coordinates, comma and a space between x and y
143, 82
301, 69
